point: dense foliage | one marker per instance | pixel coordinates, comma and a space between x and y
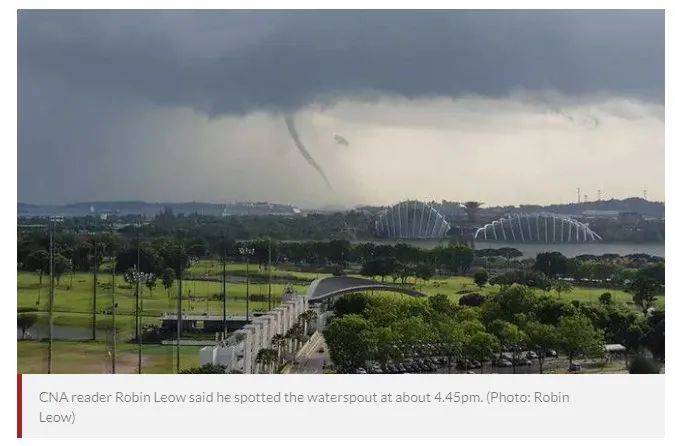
513, 320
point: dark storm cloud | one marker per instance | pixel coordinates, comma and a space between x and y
106, 98
236, 62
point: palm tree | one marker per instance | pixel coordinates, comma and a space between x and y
471, 209
266, 357
297, 334
302, 320
306, 318
279, 343
289, 338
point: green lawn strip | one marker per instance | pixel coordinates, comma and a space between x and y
214, 268
198, 296
95, 357
454, 287
74, 294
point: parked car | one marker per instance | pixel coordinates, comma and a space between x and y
574, 367
503, 362
467, 364
523, 362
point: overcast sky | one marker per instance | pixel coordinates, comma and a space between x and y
499, 107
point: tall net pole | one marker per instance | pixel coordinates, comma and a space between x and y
114, 312
93, 304
179, 316
50, 354
269, 274
224, 293
247, 293
138, 283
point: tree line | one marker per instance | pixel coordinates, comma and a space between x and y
78, 251
512, 320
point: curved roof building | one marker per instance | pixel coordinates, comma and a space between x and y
537, 228
411, 219
327, 287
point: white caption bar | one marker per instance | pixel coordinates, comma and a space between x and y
343, 405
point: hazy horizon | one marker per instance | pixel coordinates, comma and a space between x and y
336, 109
328, 206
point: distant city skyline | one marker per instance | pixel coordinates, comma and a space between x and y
321, 109
168, 204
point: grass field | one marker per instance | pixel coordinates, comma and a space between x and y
215, 268
94, 357
76, 296
454, 286
73, 300
73, 306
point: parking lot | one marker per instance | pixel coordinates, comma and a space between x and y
438, 364
429, 360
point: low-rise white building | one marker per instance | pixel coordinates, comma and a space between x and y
238, 352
